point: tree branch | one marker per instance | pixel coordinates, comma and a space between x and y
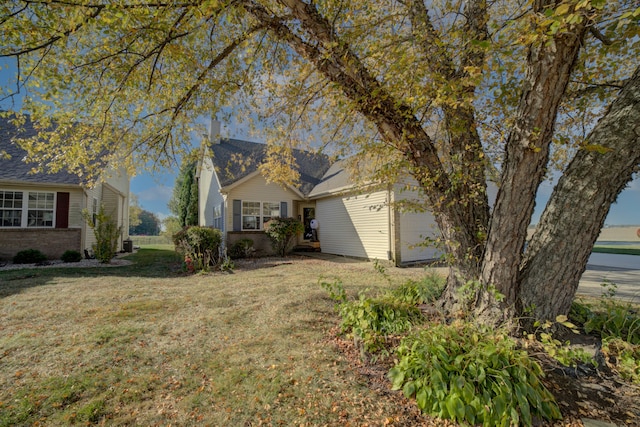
595, 32
54, 39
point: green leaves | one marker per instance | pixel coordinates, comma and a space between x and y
373, 319
281, 232
479, 377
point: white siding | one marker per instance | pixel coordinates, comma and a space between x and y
110, 203
355, 225
257, 189
208, 193
76, 205
119, 180
92, 193
414, 228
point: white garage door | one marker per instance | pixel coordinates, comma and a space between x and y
355, 225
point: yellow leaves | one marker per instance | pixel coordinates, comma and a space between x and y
597, 148
563, 9
280, 166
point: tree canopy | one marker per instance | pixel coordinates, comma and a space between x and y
452, 91
148, 225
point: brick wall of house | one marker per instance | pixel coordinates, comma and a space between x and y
261, 242
52, 242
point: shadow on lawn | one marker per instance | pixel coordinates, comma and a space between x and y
153, 263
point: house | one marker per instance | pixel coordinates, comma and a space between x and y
234, 197
365, 220
44, 211
354, 220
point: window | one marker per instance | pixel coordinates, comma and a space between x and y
217, 217
255, 214
10, 208
269, 210
38, 211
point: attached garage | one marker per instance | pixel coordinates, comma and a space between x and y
355, 225
365, 222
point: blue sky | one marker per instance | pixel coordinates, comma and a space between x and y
154, 189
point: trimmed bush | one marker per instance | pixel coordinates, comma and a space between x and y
281, 232
29, 256
71, 256
200, 247
243, 248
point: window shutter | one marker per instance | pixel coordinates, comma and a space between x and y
237, 215
283, 210
62, 210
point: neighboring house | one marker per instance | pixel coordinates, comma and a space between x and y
354, 220
44, 211
235, 198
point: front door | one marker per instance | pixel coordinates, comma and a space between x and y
308, 213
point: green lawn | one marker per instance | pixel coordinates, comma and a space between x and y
614, 249
147, 345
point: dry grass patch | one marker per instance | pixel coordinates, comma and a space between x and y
146, 345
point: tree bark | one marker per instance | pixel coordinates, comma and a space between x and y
558, 252
549, 67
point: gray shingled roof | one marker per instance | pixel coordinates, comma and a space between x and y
234, 159
336, 178
15, 169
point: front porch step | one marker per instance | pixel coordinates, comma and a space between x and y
307, 247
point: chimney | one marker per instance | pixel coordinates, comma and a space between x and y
214, 131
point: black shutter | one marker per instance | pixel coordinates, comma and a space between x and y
283, 209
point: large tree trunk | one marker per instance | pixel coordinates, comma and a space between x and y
559, 250
549, 67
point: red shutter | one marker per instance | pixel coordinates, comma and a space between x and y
62, 210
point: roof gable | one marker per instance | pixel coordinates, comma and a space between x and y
235, 159
15, 169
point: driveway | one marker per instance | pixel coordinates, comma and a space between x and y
623, 270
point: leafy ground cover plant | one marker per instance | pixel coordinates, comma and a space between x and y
623, 357
609, 317
472, 375
372, 320
617, 323
425, 290
561, 351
